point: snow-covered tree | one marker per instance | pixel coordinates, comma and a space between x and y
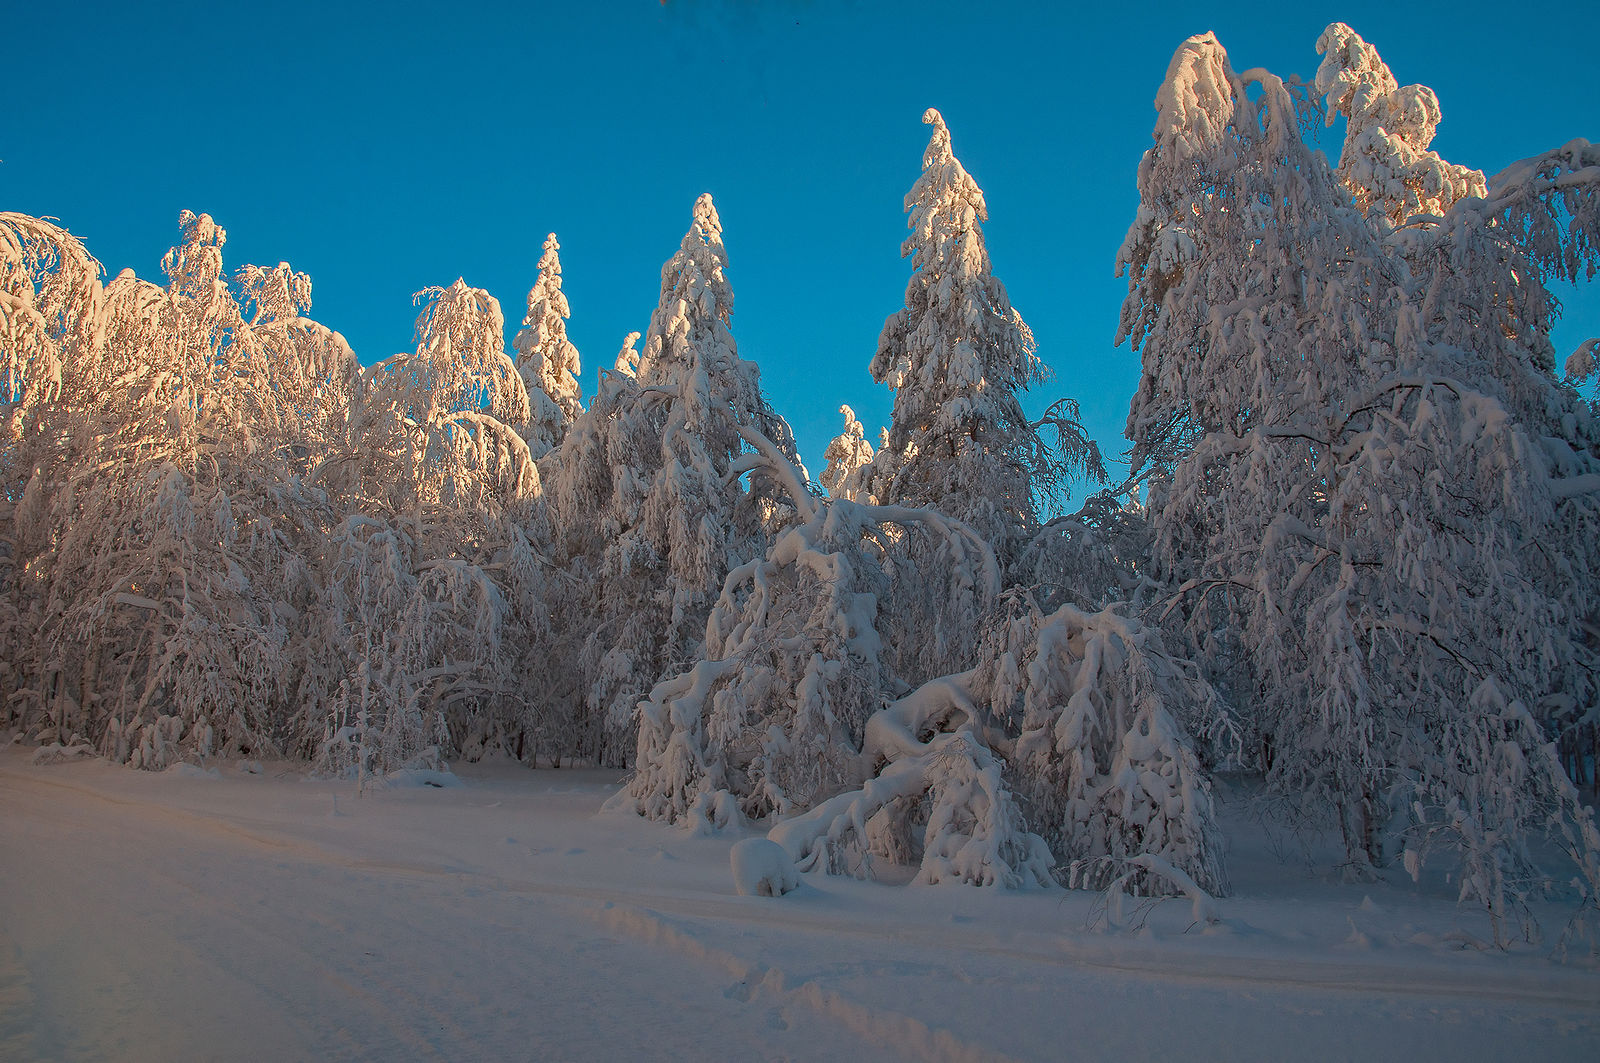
1094, 557
1077, 718
593, 495
956, 356
780, 717
546, 359
163, 528
772, 718
434, 597
1385, 161
939, 800
50, 312
849, 458
434, 425
932, 793
49, 309
1104, 754
1371, 481
654, 468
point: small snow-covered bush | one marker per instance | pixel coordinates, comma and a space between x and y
761, 868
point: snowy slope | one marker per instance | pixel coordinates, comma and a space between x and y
261, 916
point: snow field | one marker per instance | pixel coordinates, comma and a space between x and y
261, 916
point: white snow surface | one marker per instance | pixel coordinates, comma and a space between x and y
258, 915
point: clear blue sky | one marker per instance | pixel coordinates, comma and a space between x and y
385, 148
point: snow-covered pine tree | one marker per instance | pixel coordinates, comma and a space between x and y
849, 458
656, 469
546, 359
1374, 479
956, 356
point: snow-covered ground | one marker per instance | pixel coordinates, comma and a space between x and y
261, 916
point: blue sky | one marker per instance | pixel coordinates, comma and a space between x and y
386, 149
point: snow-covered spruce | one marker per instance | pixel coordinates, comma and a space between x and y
649, 463
1371, 494
772, 719
849, 458
546, 359
956, 355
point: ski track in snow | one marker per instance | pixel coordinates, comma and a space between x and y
258, 917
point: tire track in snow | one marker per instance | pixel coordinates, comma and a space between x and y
889, 1029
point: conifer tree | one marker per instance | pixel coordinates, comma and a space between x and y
849, 458
546, 359
956, 356
656, 467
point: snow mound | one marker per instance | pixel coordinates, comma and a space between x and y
762, 868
